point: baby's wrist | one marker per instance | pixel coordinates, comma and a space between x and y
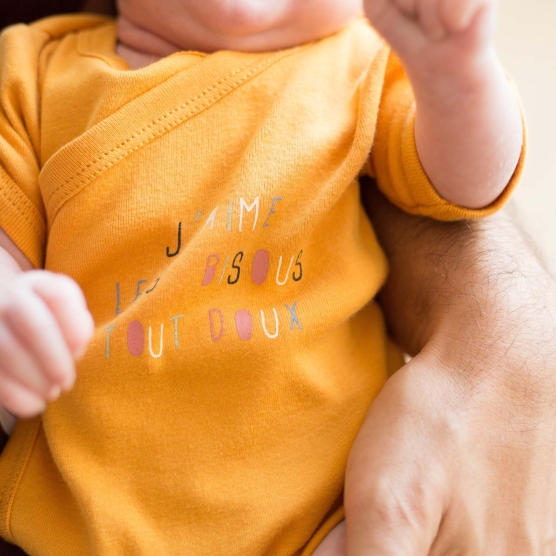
462, 79
469, 135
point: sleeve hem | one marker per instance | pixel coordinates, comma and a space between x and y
428, 202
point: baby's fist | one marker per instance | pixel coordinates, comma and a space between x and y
419, 27
44, 326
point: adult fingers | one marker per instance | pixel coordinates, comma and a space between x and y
67, 303
387, 521
394, 489
334, 544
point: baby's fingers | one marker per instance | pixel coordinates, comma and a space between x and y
397, 23
457, 15
18, 400
67, 303
35, 327
21, 367
430, 18
408, 7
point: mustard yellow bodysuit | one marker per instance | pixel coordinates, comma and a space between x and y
208, 205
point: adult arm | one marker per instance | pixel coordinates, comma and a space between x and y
457, 453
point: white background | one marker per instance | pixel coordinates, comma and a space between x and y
527, 47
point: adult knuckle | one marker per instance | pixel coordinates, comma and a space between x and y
393, 505
527, 541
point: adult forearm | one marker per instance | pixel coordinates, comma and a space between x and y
457, 452
479, 281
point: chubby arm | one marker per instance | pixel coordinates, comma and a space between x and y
457, 453
468, 127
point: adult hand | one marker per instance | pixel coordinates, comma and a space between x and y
457, 453
453, 464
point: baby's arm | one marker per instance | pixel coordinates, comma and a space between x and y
468, 128
44, 326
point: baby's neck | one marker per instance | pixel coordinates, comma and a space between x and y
140, 48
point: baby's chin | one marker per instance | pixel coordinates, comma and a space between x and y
243, 18
243, 25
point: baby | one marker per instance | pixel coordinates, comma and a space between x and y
192, 169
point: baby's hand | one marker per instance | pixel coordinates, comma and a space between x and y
44, 326
435, 37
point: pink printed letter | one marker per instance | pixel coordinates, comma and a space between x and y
135, 338
210, 269
213, 335
244, 324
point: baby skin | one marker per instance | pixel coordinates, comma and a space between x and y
468, 135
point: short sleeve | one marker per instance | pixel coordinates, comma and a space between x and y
22, 214
395, 163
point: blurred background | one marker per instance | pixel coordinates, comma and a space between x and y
527, 46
